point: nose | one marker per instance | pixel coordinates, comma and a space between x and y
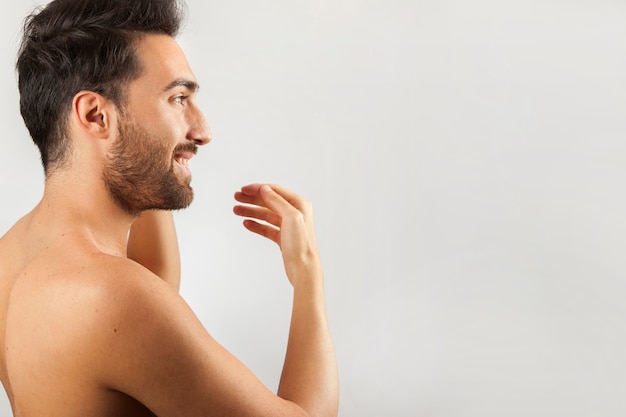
199, 130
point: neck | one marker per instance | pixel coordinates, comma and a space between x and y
85, 210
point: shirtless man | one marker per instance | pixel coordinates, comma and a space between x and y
91, 323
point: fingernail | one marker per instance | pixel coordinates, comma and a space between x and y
266, 188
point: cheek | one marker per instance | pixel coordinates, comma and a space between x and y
165, 122
170, 125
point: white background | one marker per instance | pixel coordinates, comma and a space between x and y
467, 163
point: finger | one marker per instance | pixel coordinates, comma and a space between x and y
275, 201
264, 230
259, 213
248, 199
296, 200
251, 189
253, 194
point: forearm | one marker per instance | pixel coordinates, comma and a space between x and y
310, 377
152, 243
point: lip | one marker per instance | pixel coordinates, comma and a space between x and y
183, 154
182, 160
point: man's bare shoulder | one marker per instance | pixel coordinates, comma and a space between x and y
128, 294
83, 293
46, 273
68, 320
117, 292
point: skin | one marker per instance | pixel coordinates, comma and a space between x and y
152, 242
91, 322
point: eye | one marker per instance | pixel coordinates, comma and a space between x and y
181, 99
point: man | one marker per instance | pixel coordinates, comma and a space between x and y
91, 323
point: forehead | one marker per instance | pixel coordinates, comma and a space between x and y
163, 62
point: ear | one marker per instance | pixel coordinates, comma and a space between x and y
93, 114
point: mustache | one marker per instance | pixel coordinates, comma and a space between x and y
188, 147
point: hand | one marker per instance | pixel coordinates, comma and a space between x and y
285, 218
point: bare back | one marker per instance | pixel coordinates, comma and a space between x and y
48, 360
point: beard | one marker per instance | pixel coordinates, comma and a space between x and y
139, 172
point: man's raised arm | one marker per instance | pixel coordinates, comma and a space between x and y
159, 353
309, 377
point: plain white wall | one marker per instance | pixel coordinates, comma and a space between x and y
467, 164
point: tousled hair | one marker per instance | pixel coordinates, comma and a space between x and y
74, 45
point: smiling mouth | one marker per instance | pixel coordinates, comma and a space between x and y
184, 152
182, 161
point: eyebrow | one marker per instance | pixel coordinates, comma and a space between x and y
188, 84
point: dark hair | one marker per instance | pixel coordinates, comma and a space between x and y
74, 45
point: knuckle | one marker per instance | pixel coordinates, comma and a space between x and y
295, 214
294, 217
